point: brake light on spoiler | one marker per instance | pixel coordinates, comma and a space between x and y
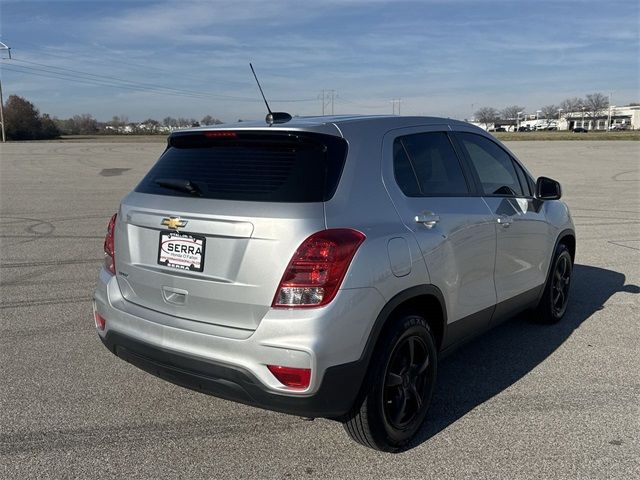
220, 134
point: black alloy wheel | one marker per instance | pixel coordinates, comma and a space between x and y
406, 380
555, 297
560, 286
397, 391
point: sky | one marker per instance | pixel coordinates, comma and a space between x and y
144, 59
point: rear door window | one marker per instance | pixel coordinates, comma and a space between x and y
403, 170
425, 164
273, 167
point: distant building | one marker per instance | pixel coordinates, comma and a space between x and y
622, 118
139, 128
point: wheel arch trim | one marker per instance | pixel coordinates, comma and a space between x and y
567, 232
395, 302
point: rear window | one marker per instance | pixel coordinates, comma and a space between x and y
426, 164
260, 167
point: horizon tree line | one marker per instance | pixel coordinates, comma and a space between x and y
593, 105
23, 121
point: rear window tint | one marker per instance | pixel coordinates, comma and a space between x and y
274, 167
427, 164
404, 172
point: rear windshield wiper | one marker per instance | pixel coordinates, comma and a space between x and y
180, 184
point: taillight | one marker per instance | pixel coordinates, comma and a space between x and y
291, 377
100, 321
317, 269
109, 248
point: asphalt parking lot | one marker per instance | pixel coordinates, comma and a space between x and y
522, 401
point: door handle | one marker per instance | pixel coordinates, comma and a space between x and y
505, 221
427, 219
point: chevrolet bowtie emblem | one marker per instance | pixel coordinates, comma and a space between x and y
174, 222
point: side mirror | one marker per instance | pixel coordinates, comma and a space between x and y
548, 189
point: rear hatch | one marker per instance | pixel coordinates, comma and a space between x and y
208, 233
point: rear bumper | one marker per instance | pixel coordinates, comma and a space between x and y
333, 399
232, 363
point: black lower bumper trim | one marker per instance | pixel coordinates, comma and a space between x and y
334, 399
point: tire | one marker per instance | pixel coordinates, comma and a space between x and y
555, 297
398, 389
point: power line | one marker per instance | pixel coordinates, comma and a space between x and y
357, 104
88, 78
107, 80
92, 82
73, 55
48, 73
117, 59
127, 82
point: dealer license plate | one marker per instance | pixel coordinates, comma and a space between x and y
181, 250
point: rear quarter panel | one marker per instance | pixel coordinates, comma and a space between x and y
361, 202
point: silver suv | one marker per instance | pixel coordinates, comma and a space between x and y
323, 266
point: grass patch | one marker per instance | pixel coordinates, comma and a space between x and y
566, 135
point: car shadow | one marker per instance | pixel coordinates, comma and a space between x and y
486, 366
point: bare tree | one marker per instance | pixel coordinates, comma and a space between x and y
571, 105
150, 126
486, 115
596, 104
170, 122
84, 124
511, 113
186, 122
209, 120
549, 112
124, 120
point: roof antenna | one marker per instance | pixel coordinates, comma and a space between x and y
272, 117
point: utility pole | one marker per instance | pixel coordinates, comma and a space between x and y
4, 138
393, 104
609, 119
560, 110
327, 97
